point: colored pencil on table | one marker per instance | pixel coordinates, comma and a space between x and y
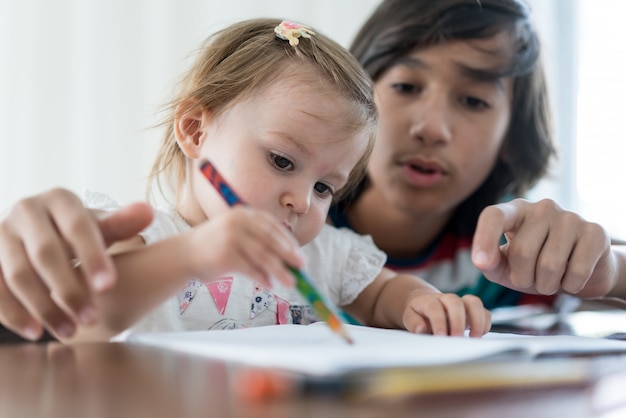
305, 286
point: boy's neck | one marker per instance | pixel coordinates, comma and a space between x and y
397, 233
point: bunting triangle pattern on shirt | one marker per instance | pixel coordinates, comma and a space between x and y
185, 297
220, 291
283, 313
261, 300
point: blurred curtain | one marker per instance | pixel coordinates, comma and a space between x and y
557, 21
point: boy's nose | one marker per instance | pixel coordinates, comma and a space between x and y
431, 121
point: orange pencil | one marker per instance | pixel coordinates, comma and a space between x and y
305, 286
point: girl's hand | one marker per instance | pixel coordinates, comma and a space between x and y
42, 238
436, 313
246, 240
548, 250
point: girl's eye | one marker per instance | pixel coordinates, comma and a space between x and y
280, 162
474, 103
323, 189
405, 88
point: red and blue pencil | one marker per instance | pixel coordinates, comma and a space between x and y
323, 308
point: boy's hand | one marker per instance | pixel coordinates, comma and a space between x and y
548, 250
446, 314
53, 256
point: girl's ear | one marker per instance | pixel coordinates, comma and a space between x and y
188, 129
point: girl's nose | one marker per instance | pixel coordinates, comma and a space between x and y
432, 120
298, 200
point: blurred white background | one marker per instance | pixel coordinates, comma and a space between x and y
81, 83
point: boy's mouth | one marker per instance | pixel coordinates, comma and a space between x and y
425, 170
426, 167
423, 173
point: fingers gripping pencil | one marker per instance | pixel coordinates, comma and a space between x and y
304, 285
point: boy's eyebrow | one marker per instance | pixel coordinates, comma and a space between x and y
484, 75
411, 62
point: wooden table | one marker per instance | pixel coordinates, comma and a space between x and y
121, 380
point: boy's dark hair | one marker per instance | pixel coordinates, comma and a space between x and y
399, 27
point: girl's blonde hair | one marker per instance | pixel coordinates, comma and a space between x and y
236, 62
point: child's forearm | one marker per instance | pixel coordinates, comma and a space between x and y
394, 298
383, 303
147, 276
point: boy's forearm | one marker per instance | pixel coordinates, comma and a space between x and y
147, 276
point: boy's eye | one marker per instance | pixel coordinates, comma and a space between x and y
280, 162
323, 189
405, 88
474, 103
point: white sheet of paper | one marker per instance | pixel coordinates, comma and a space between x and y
316, 351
